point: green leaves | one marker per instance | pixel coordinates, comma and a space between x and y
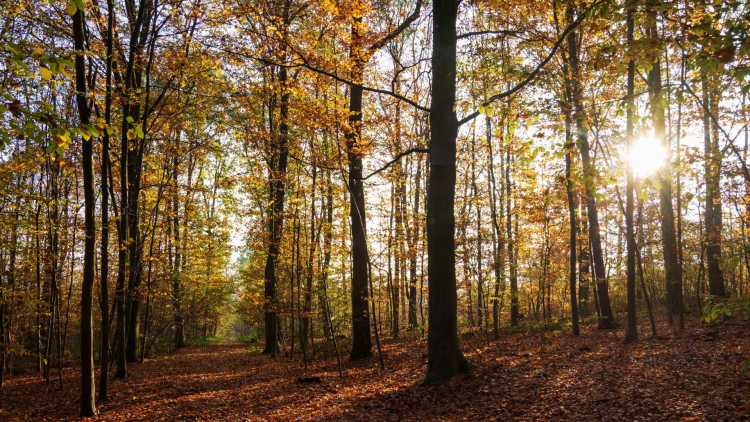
74, 6
88, 131
745, 366
59, 142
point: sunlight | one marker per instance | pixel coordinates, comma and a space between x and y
646, 156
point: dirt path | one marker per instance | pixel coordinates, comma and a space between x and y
548, 376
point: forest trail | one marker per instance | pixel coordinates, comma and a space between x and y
528, 376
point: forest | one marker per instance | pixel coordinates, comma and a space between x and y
374, 209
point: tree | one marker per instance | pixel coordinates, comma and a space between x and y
444, 357
673, 269
88, 383
606, 317
631, 331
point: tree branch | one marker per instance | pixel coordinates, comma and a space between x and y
401, 28
530, 77
488, 32
396, 158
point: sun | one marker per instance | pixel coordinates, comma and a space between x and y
646, 157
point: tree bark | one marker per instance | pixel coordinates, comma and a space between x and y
712, 174
104, 191
673, 269
88, 382
444, 357
361, 339
606, 318
515, 314
631, 331
498, 241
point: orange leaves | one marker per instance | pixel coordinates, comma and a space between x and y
526, 376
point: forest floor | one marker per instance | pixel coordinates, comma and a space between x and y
524, 376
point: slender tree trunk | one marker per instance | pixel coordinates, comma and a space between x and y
631, 331
606, 318
313, 240
515, 313
673, 269
712, 214
572, 204
475, 195
641, 276
88, 382
104, 265
179, 322
584, 260
498, 241
327, 240
413, 240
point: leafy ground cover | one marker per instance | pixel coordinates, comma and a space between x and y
523, 376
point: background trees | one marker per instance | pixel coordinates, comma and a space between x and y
299, 171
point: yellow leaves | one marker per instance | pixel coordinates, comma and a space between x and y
330, 7
45, 74
60, 141
74, 6
71, 8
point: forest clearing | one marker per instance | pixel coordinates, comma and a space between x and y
525, 376
355, 209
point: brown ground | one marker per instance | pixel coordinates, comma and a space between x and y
532, 376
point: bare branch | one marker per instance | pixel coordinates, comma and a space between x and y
401, 28
530, 77
488, 32
396, 158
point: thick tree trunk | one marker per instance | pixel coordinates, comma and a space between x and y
444, 357
361, 339
277, 185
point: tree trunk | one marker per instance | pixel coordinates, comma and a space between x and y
179, 323
673, 269
498, 241
277, 189
515, 314
606, 318
444, 357
572, 204
88, 382
361, 340
712, 167
413, 240
104, 265
631, 331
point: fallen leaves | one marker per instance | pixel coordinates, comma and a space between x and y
552, 376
